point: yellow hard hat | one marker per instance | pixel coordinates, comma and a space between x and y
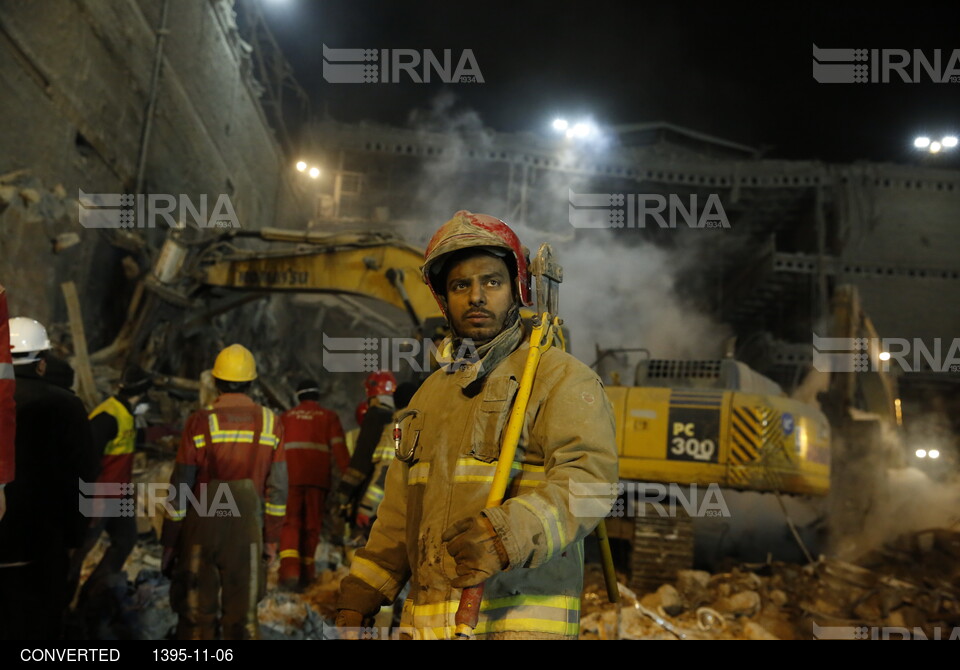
235, 364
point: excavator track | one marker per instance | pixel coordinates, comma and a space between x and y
661, 546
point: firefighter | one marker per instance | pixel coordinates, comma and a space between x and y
217, 548
350, 437
379, 387
382, 457
433, 527
8, 408
311, 435
53, 451
113, 426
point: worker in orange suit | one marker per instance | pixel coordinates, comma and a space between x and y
312, 434
232, 462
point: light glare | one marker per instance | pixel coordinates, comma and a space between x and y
581, 129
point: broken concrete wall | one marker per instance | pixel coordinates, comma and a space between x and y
76, 78
898, 228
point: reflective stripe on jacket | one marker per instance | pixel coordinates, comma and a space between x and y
382, 456
311, 435
234, 440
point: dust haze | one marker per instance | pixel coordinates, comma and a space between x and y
617, 291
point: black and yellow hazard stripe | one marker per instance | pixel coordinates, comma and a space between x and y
746, 435
771, 430
757, 447
746, 441
775, 458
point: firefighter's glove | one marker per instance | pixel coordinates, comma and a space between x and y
477, 548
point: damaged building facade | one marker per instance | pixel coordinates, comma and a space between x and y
86, 112
787, 232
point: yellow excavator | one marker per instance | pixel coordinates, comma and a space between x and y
688, 433
686, 430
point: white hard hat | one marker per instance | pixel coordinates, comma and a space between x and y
28, 338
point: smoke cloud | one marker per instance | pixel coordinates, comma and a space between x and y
618, 291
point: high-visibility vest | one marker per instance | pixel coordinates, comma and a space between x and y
117, 462
126, 437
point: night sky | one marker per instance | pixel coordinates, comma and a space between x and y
738, 73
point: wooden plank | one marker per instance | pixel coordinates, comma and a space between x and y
87, 389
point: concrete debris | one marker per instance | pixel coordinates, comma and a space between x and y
289, 616
64, 241
670, 599
303, 616
322, 594
33, 200
693, 586
30, 195
131, 605
752, 602
152, 601
744, 603
911, 585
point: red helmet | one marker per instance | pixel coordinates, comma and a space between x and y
380, 383
361, 412
467, 230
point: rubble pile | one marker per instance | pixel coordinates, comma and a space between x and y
911, 585
289, 616
322, 594
301, 616
132, 605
